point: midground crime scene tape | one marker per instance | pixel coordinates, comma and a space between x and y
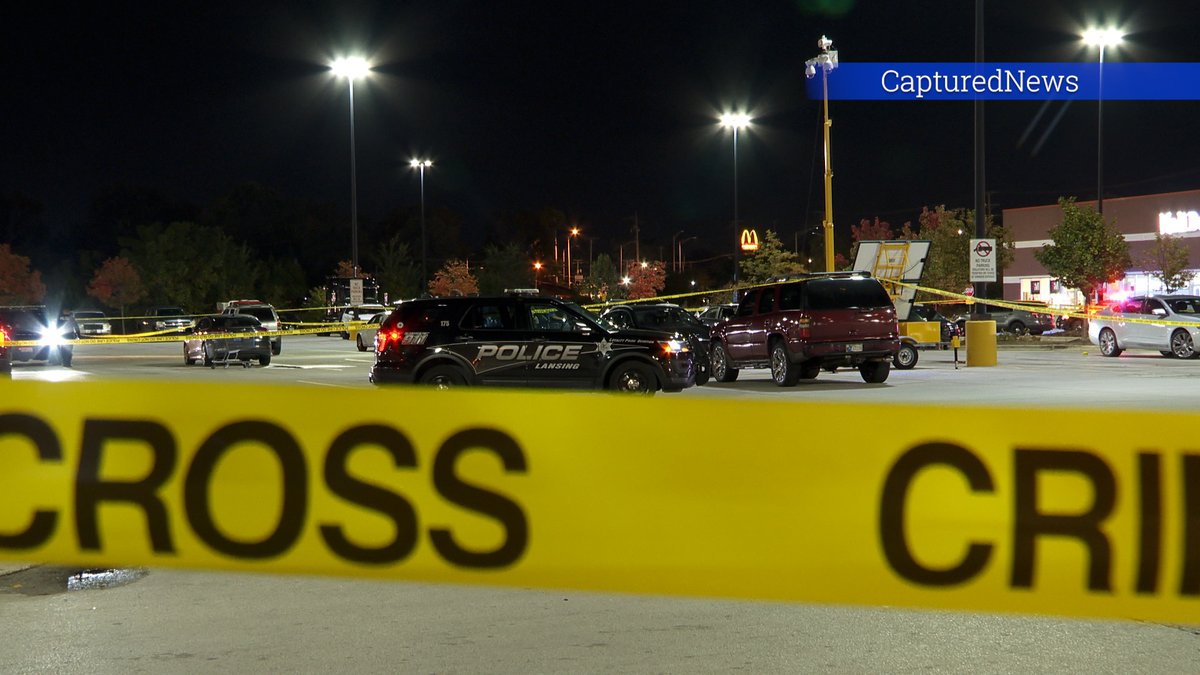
1048, 511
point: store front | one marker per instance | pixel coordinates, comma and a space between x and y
1139, 219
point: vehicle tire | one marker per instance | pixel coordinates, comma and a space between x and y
1108, 343
1181, 345
276, 348
906, 358
719, 367
187, 361
783, 371
1167, 353
208, 356
264, 360
361, 347
702, 375
443, 377
633, 377
875, 372
809, 370
1017, 328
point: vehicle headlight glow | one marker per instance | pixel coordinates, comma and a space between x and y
51, 336
673, 346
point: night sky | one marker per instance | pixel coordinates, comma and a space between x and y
601, 110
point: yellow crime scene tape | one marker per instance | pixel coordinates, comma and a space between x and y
1048, 512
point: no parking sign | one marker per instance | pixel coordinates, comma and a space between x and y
983, 259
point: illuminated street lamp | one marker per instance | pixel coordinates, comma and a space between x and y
537, 267
827, 61
352, 68
736, 122
570, 272
421, 165
1101, 37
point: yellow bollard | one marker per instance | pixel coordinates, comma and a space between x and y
981, 343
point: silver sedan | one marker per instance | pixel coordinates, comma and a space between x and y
1169, 324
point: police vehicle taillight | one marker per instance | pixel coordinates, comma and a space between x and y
383, 337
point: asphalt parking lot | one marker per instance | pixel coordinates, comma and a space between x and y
198, 621
1029, 373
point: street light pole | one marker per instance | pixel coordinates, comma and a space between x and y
1101, 37
352, 68
736, 122
827, 60
421, 165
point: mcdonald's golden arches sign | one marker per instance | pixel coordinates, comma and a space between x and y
749, 240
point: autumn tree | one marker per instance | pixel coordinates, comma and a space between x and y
1168, 261
454, 278
1087, 251
345, 268
947, 265
646, 279
117, 284
19, 285
769, 261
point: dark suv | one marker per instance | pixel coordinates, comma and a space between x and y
32, 324
669, 317
520, 340
799, 327
1033, 318
264, 312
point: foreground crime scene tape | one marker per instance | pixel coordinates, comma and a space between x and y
1049, 511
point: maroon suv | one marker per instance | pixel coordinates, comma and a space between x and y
799, 327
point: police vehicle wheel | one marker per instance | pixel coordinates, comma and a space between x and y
443, 377
905, 358
361, 347
264, 360
276, 347
633, 377
875, 372
719, 365
701, 377
208, 356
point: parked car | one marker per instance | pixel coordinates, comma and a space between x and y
1033, 318
264, 312
31, 323
526, 341
365, 339
359, 313
717, 313
166, 319
5, 353
1169, 324
667, 317
799, 327
92, 323
228, 337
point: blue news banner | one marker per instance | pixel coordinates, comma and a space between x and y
1010, 81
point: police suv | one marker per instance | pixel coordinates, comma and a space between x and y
522, 340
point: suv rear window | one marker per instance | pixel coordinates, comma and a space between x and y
264, 314
846, 294
421, 315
